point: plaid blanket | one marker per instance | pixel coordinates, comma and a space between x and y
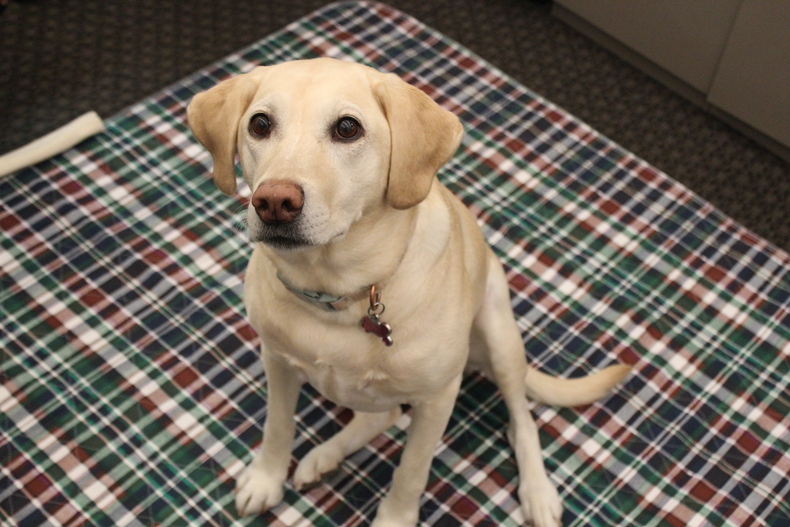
132, 392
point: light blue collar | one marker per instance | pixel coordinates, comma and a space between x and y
323, 300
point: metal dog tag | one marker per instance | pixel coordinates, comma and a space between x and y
372, 324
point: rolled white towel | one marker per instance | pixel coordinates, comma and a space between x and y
53, 143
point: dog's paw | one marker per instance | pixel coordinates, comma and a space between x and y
318, 462
541, 503
257, 491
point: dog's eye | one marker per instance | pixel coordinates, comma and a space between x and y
348, 128
260, 126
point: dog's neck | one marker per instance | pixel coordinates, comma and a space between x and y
369, 254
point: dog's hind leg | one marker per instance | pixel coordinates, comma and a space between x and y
327, 457
497, 348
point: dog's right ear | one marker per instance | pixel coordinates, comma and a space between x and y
214, 117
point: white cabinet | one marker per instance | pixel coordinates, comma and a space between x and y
733, 55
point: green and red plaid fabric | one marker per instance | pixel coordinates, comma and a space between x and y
132, 392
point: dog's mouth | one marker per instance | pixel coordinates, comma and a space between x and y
283, 243
281, 237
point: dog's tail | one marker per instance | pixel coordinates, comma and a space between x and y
550, 390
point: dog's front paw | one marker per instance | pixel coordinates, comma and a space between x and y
541, 503
257, 491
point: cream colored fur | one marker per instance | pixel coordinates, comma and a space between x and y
373, 213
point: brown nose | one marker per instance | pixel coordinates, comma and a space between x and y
278, 202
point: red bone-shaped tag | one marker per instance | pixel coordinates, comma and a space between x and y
372, 324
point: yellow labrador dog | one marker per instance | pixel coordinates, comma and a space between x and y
369, 279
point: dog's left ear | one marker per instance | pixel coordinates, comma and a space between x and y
214, 117
423, 136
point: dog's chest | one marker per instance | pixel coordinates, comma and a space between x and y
361, 378
356, 370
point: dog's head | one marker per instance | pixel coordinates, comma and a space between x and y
321, 144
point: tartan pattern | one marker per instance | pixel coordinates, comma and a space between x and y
132, 392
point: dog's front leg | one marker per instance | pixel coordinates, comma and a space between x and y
260, 486
402, 505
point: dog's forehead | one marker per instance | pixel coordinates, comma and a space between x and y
318, 79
